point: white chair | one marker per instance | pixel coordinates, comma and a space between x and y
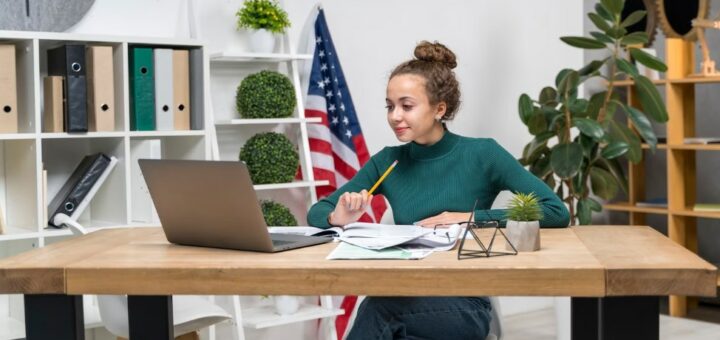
495, 332
190, 314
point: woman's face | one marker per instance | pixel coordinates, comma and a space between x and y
409, 112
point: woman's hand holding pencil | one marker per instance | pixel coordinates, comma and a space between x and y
351, 205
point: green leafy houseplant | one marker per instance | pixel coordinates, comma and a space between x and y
262, 14
591, 160
270, 158
524, 207
277, 215
266, 94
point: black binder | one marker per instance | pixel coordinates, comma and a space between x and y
68, 61
78, 185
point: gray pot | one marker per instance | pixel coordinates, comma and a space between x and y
525, 236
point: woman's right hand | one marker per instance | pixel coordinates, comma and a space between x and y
350, 206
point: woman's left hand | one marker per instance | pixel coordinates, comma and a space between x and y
446, 219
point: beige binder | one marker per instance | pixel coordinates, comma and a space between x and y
53, 107
8, 90
181, 89
101, 96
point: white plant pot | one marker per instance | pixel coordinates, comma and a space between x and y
262, 41
286, 304
525, 236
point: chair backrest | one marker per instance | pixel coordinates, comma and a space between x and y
114, 314
495, 332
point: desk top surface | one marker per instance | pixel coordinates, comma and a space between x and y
579, 261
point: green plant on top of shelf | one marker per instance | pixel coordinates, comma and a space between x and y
262, 14
590, 161
270, 158
266, 94
277, 215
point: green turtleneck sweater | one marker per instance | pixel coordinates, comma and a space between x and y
446, 176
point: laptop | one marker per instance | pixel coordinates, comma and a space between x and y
213, 204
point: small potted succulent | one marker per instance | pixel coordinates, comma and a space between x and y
270, 158
264, 19
265, 94
523, 222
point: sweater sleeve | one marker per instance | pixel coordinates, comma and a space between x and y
507, 174
364, 179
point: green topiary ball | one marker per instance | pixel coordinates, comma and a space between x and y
277, 215
270, 158
265, 94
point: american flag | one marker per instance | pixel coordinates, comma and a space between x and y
337, 145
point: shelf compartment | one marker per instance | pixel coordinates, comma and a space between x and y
695, 80
689, 212
257, 57
627, 207
65, 135
630, 82
296, 184
18, 187
265, 316
176, 133
16, 136
699, 147
269, 121
61, 157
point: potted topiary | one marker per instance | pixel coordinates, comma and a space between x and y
277, 215
266, 94
523, 222
263, 18
270, 158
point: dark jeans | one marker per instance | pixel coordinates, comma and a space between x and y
422, 318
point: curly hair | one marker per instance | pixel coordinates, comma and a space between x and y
435, 63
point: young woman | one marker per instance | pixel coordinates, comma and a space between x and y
438, 177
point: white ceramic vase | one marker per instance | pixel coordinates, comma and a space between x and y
525, 236
262, 41
286, 304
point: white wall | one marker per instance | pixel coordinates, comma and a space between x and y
504, 48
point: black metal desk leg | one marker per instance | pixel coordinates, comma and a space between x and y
54, 316
150, 317
616, 318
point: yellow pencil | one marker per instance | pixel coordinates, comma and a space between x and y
392, 166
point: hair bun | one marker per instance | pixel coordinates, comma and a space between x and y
436, 53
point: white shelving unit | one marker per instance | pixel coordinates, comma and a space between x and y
226, 73
24, 155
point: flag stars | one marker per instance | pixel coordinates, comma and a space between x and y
346, 121
321, 84
322, 53
327, 80
332, 108
335, 120
339, 94
348, 133
332, 66
342, 107
335, 80
323, 67
328, 94
318, 40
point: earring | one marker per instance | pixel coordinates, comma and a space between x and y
438, 118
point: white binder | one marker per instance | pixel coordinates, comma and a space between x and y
164, 116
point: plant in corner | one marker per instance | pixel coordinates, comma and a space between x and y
591, 160
277, 215
270, 158
264, 18
266, 94
523, 221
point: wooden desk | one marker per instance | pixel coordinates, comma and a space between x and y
602, 266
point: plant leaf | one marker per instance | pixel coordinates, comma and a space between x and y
615, 149
595, 103
633, 18
642, 125
616, 32
525, 107
615, 168
635, 38
537, 123
648, 60
604, 12
627, 67
588, 144
569, 82
602, 37
594, 205
592, 67
589, 127
599, 21
603, 184
566, 159
559, 77
583, 212
614, 6
548, 96
650, 99
620, 132
583, 42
